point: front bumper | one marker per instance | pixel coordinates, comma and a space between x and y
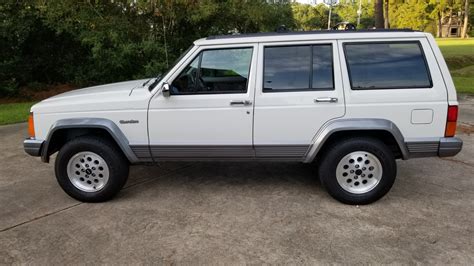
442, 147
33, 147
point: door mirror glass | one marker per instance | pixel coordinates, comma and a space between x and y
165, 90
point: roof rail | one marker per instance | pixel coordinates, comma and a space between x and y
264, 34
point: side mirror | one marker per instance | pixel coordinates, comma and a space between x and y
165, 90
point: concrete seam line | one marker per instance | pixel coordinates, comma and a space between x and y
80, 203
457, 161
165, 175
40, 217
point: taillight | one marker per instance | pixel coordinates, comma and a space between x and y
31, 126
451, 121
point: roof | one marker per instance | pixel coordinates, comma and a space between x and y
308, 35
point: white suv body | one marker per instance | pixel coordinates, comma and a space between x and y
271, 96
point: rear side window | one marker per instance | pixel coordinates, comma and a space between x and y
387, 65
298, 68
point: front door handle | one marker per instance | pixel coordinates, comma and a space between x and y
326, 100
243, 103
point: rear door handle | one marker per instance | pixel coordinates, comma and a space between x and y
243, 103
325, 100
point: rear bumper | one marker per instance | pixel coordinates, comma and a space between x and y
449, 146
442, 147
33, 147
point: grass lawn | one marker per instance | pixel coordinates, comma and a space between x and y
456, 47
464, 85
14, 112
459, 55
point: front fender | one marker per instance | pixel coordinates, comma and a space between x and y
97, 123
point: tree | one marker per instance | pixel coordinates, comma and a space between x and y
378, 7
90, 42
411, 14
309, 17
438, 10
347, 11
386, 24
466, 19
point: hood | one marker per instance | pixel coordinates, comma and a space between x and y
106, 90
103, 97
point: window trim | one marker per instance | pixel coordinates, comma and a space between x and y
198, 72
427, 68
310, 83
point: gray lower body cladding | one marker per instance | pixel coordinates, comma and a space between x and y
207, 152
444, 147
33, 147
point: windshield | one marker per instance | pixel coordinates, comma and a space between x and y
160, 76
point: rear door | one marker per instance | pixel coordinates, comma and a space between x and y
298, 89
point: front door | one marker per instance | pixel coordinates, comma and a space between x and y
298, 89
210, 111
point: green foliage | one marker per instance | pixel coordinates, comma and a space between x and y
347, 11
309, 17
30, 51
90, 42
412, 14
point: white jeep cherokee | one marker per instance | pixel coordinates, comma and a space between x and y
352, 102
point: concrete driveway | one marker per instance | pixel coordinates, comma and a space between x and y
200, 213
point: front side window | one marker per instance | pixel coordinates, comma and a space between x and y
215, 71
298, 68
387, 65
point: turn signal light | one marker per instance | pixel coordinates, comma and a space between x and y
31, 126
451, 121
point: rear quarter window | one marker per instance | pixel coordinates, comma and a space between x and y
387, 65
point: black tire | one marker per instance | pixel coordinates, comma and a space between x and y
334, 154
118, 167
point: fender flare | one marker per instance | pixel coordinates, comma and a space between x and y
360, 124
96, 123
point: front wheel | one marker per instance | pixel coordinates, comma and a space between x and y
91, 169
358, 170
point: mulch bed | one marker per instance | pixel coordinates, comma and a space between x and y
26, 94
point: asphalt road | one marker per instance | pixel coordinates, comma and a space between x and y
228, 213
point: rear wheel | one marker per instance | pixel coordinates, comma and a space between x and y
358, 170
91, 169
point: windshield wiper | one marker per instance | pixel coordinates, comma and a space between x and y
154, 83
146, 82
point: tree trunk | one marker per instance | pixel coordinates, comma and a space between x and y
450, 21
439, 30
386, 18
378, 6
466, 19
